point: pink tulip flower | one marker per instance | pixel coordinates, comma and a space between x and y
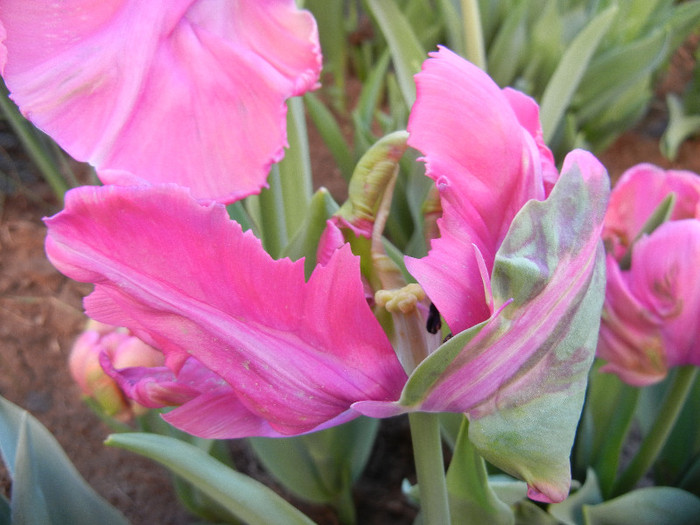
251, 348
183, 91
257, 349
652, 305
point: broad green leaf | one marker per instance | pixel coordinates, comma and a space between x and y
468, 487
648, 506
322, 466
406, 51
571, 68
610, 408
527, 513
509, 490
570, 511
47, 488
241, 495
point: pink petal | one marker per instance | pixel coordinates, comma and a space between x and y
665, 276
182, 91
650, 322
528, 113
486, 165
521, 376
629, 337
187, 280
638, 193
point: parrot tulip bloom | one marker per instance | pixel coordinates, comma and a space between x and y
251, 348
518, 279
183, 91
652, 304
258, 350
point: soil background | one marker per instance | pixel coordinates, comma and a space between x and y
41, 314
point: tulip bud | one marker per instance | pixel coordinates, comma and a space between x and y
125, 350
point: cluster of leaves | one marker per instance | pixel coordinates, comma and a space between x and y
590, 64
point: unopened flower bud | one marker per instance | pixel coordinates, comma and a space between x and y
125, 351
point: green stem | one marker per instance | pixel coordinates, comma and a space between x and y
656, 438
273, 228
295, 168
31, 143
345, 506
473, 34
427, 453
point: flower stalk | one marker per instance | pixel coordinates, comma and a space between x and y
427, 451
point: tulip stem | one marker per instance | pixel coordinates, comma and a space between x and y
658, 434
430, 467
473, 34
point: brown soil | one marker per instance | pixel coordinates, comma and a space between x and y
41, 313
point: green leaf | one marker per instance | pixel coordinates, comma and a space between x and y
570, 511
570, 71
295, 168
680, 127
682, 22
330, 19
320, 467
675, 462
406, 50
305, 242
453, 26
610, 408
331, 134
370, 96
468, 487
46, 488
617, 71
5, 511
506, 53
648, 506
241, 495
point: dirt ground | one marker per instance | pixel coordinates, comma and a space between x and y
41, 313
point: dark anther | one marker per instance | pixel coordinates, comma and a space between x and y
434, 323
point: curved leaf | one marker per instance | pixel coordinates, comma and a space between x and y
245, 497
46, 486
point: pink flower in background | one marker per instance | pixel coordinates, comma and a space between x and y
651, 318
124, 350
184, 91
